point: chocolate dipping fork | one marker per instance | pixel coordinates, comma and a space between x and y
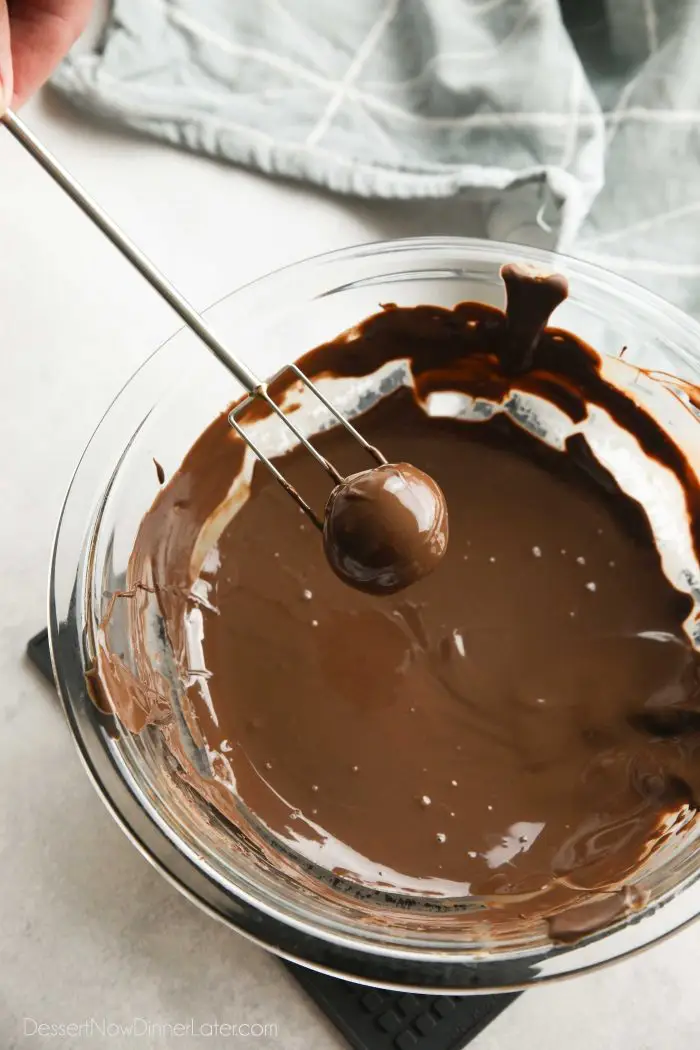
255, 387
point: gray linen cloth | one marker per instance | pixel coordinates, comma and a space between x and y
580, 116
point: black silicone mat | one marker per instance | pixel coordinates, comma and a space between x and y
369, 1018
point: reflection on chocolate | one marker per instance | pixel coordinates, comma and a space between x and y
385, 528
521, 726
575, 923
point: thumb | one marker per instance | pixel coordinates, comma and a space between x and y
6, 79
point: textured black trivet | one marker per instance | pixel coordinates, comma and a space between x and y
374, 1019
369, 1018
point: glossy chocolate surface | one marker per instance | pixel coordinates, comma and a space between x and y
385, 528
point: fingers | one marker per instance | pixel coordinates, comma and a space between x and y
41, 33
5, 59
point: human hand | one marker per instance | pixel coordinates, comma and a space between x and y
34, 37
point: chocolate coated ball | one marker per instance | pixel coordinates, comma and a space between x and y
385, 528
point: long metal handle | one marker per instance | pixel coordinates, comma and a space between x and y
130, 251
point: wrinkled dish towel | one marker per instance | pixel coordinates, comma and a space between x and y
582, 115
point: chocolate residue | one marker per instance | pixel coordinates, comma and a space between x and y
578, 922
531, 298
518, 730
160, 473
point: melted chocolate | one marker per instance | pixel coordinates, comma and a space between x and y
503, 702
385, 528
531, 298
521, 724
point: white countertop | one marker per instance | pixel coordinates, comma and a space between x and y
87, 927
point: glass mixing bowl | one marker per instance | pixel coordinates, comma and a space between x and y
158, 415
